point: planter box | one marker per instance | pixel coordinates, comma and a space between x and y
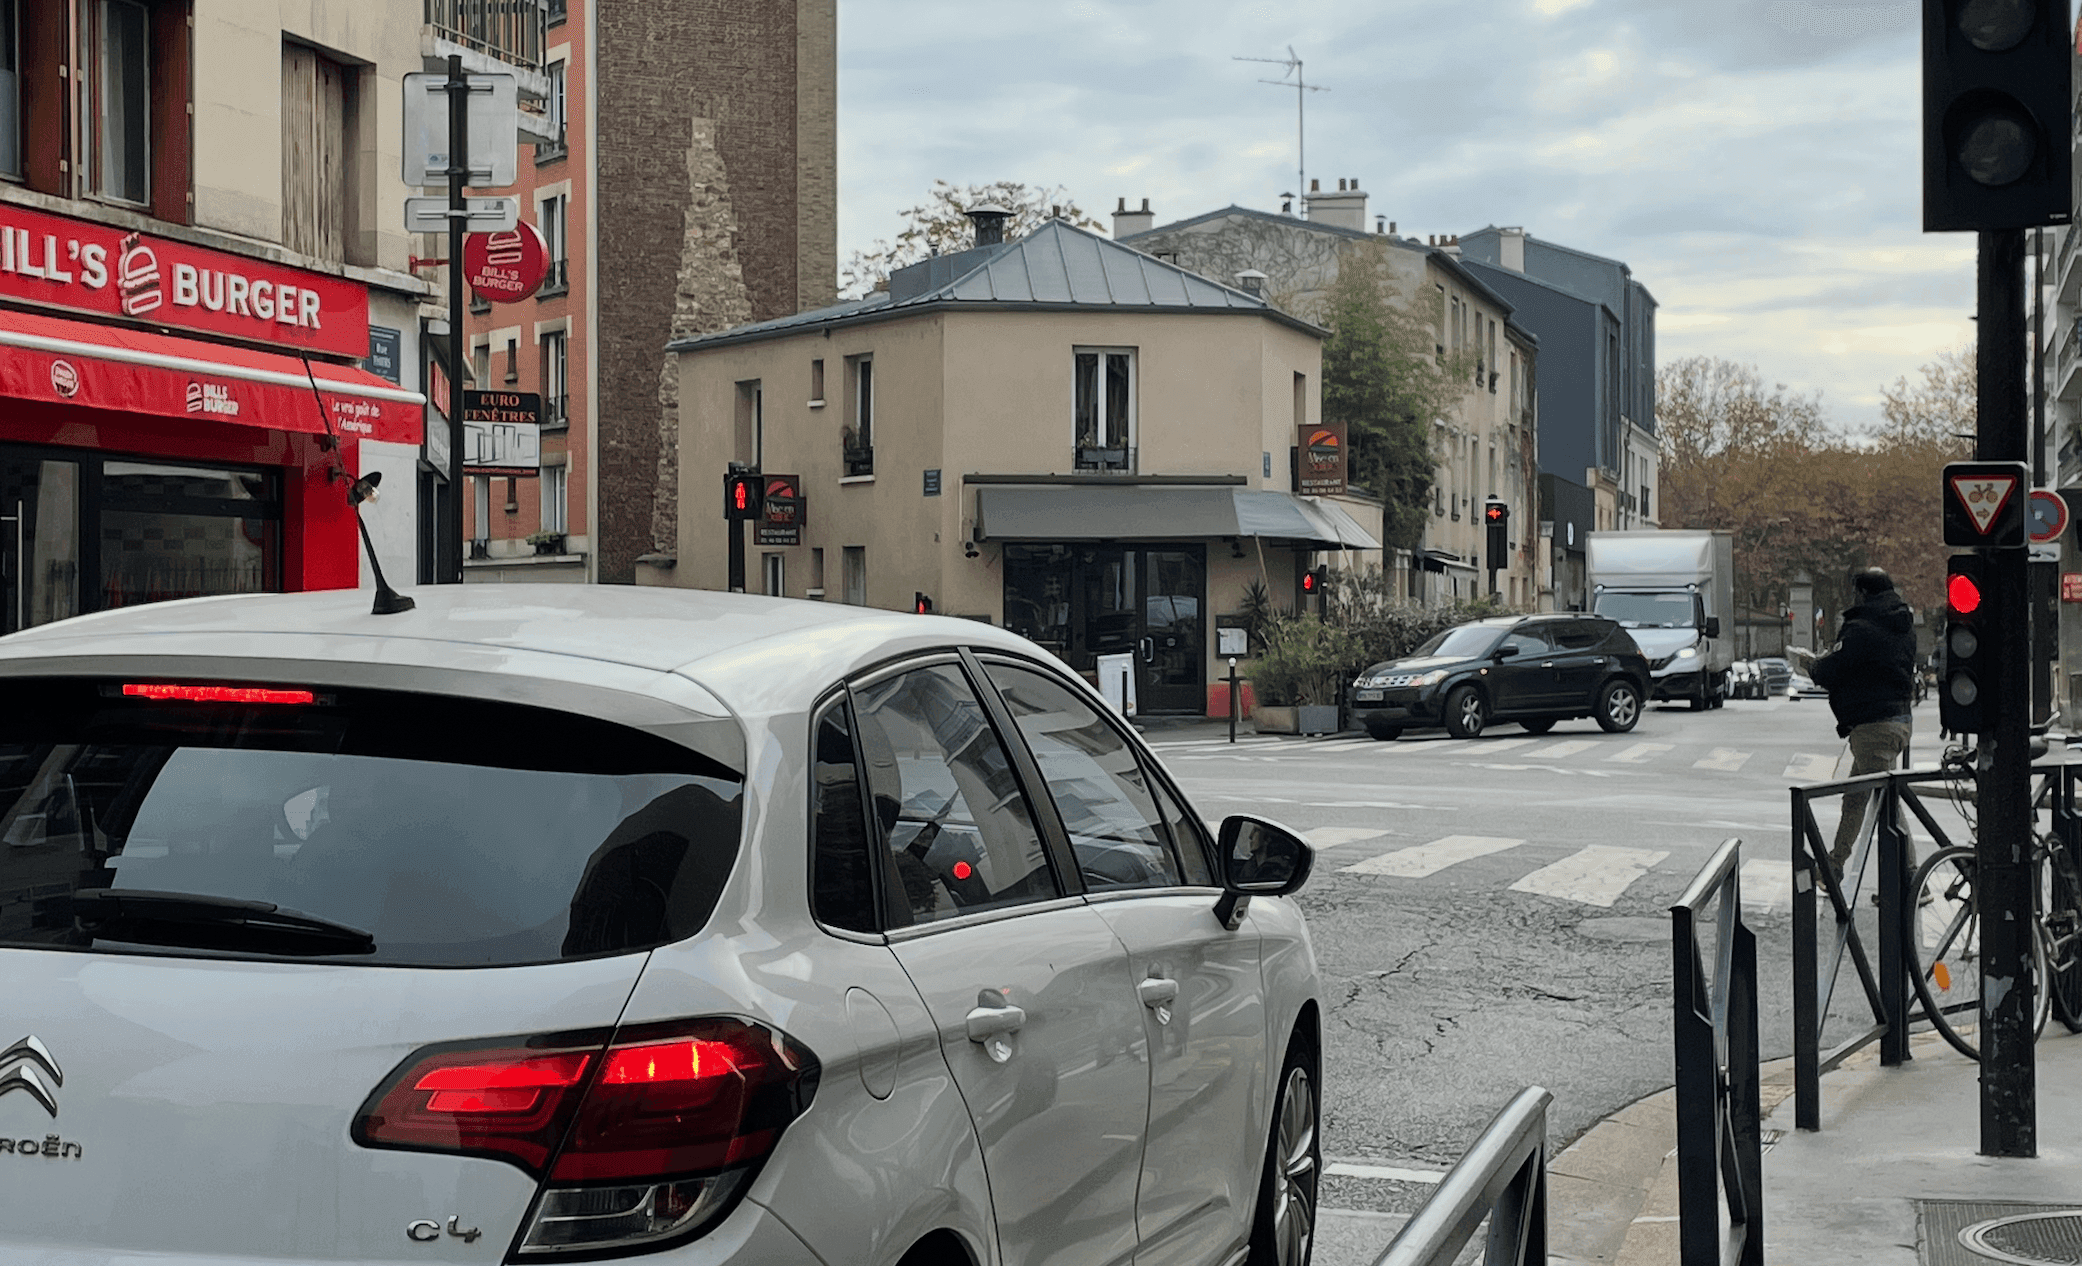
1275, 719
555, 546
1316, 720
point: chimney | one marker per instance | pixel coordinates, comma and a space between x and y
1127, 223
1511, 249
1252, 281
989, 220
1346, 209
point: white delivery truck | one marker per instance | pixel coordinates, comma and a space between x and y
1674, 592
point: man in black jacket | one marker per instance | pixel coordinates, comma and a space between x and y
1870, 677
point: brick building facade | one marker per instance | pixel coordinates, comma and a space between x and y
699, 179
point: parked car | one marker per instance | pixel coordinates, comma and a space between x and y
1801, 686
1535, 670
1778, 674
709, 927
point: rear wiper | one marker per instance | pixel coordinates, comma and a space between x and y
198, 921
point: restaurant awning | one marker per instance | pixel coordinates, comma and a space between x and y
1131, 512
106, 367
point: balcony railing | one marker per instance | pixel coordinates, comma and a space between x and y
510, 30
1118, 460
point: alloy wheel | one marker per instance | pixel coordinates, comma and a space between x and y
1294, 1197
1622, 706
1470, 712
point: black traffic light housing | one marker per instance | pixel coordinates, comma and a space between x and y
1496, 516
1997, 99
921, 603
1313, 583
1962, 692
744, 494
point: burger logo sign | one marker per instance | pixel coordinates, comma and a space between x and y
65, 380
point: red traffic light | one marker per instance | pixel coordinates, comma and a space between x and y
1494, 513
1963, 593
1311, 582
741, 495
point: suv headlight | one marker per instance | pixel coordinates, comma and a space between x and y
1432, 678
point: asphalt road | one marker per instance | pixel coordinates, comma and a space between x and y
1493, 913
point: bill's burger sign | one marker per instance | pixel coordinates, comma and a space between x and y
86, 267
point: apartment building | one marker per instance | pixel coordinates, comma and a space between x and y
1484, 444
208, 322
682, 170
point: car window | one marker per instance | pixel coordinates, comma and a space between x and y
842, 889
1098, 786
1188, 835
1530, 640
956, 824
1577, 635
452, 832
1463, 642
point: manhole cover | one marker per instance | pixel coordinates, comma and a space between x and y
2028, 1239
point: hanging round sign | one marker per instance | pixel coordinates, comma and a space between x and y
505, 267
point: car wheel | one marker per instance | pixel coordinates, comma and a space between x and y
1619, 706
1283, 1232
1539, 725
1703, 699
1382, 732
1466, 713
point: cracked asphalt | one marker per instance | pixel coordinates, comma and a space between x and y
1448, 993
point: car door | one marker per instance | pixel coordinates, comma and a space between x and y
1147, 870
1524, 682
1028, 987
1581, 661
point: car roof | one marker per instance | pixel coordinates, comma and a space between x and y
754, 653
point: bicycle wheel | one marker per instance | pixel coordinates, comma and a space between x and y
1944, 935
2061, 921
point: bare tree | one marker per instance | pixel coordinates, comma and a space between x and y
940, 226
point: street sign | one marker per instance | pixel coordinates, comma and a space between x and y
2047, 515
482, 215
2071, 586
494, 115
1322, 460
1984, 504
505, 267
502, 432
2044, 551
782, 511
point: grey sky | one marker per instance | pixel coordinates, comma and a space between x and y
1754, 161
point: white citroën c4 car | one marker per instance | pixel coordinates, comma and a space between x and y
540, 925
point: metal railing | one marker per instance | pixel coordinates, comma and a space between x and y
1720, 1152
510, 30
1503, 1177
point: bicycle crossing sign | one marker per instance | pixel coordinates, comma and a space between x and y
1984, 504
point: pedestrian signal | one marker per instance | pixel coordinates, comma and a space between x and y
744, 495
921, 604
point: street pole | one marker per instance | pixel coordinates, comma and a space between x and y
2003, 892
737, 556
2045, 583
458, 177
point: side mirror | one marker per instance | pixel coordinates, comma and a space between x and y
1712, 627
1503, 652
1259, 857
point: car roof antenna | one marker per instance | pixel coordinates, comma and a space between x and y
388, 600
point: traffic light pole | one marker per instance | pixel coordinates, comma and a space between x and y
2009, 1089
458, 88
737, 555
2045, 580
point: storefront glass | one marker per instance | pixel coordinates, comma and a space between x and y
1084, 601
39, 541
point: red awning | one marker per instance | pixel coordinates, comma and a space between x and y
106, 367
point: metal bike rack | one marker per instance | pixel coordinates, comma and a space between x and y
1720, 1150
1503, 1177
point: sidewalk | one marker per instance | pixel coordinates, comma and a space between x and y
1851, 1194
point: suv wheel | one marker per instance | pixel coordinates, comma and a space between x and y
1619, 706
1539, 725
1383, 732
1466, 713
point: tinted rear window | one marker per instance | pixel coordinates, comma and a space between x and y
455, 832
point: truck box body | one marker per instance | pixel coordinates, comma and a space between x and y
1647, 581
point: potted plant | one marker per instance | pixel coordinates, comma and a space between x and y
547, 542
1296, 678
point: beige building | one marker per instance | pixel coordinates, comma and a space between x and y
1060, 435
1485, 444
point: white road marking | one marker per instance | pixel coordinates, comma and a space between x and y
1766, 885
1396, 1173
1429, 859
1809, 767
1560, 750
1639, 753
1339, 836
1595, 876
1492, 746
1428, 749
1375, 804
1725, 759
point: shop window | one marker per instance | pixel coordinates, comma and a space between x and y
172, 531
859, 434
320, 99
552, 216
555, 498
556, 398
1104, 409
855, 579
750, 428
120, 94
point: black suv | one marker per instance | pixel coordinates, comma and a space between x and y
1532, 669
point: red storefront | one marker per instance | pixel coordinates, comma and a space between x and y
138, 463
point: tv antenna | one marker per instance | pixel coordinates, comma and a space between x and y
1294, 79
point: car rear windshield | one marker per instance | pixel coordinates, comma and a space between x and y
1465, 642
384, 827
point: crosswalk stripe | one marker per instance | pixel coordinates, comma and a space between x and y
1491, 747
1638, 753
1429, 859
1596, 876
1725, 759
1428, 749
1393, 1173
1809, 767
1559, 750
1338, 836
1766, 885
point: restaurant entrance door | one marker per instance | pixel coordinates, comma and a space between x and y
1084, 601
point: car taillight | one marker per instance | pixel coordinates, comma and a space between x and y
640, 1139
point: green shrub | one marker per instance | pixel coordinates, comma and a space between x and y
1304, 661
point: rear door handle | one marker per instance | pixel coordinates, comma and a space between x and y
993, 1017
1157, 991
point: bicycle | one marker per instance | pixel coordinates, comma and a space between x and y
1943, 928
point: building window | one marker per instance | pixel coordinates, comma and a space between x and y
10, 91
858, 435
816, 589
552, 217
480, 516
855, 564
556, 398
817, 381
555, 484
554, 116
556, 12
319, 100
121, 97
751, 422
1104, 409
513, 360
773, 571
